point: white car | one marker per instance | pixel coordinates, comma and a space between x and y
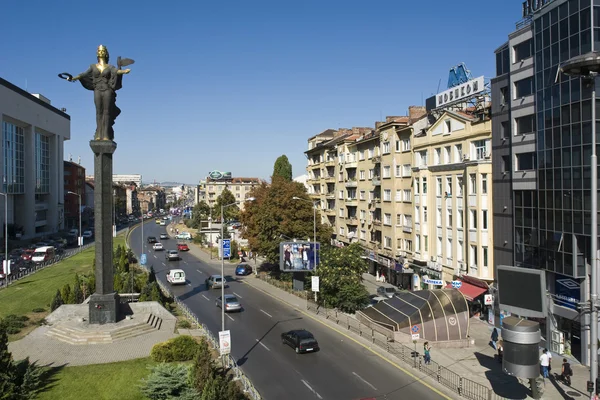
184, 235
158, 246
176, 277
163, 223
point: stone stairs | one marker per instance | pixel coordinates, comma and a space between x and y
99, 334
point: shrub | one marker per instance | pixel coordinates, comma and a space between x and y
180, 348
57, 301
168, 381
38, 310
185, 324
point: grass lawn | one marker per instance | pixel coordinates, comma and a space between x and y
37, 290
100, 381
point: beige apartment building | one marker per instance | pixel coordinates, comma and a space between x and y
452, 214
210, 189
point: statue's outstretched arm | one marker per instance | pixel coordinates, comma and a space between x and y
123, 71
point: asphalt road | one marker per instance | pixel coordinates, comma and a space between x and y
342, 370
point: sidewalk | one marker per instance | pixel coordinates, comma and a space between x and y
476, 363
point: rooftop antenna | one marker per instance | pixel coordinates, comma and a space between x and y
70, 157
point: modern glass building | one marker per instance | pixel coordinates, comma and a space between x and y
542, 132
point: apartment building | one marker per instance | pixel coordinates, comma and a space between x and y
452, 196
210, 189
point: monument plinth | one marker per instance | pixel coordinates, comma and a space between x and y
104, 303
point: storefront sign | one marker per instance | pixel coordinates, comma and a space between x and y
491, 316
436, 282
416, 282
568, 292
531, 6
488, 299
456, 284
460, 92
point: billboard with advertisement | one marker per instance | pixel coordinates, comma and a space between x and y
298, 256
522, 291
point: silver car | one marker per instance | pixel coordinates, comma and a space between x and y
231, 303
172, 255
384, 291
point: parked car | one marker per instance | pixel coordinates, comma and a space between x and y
151, 239
231, 303
157, 220
158, 246
384, 291
26, 255
176, 277
163, 223
300, 340
243, 269
42, 254
214, 282
87, 234
172, 255
164, 236
184, 236
182, 247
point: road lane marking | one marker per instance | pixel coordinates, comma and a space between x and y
266, 313
189, 284
199, 271
360, 378
396, 365
230, 317
311, 389
155, 256
238, 295
261, 343
206, 297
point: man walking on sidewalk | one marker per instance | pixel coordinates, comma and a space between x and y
545, 363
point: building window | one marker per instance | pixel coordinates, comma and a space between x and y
424, 185
472, 184
473, 224
439, 217
398, 195
525, 161
422, 158
42, 164
399, 219
480, 147
363, 214
473, 255
417, 188
447, 159
406, 170
408, 245
522, 51
387, 219
461, 219
387, 171
523, 88
485, 255
448, 126
387, 195
418, 243
407, 196
405, 144
504, 131
341, 213
385, 148
424, 214
370, 153
459, 251
363, 234
398, 171
14, 160
426, 243
449, 217
342, 230
484, 189
458, 154
438, 249
371, 173
437, 156
387, 242
361, 155
448, 186
361, 174
503, 95
525, 125
449, 248
362, 195
484, 219
459, 185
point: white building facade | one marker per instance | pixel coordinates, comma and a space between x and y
31, 162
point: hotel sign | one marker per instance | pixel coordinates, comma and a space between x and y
460, 92
531, 6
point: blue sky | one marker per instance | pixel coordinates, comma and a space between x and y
232, 85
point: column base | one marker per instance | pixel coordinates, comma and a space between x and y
104, 308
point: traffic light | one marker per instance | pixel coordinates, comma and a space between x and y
590, 386
537, 387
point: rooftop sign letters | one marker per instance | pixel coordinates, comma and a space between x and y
531, 6
460, 92
218, 175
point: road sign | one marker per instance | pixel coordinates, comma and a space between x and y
143, 259
488, 299
415, 329
315, 283
456, 284
415, 336
226, 248
224, 342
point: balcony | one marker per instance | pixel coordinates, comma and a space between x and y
407, 229
351, 201
330, 162
376, 181
351, 164
352, 220
317, 194
377, 222
329, 211
351, 183
376, 159
330, 195
329, 178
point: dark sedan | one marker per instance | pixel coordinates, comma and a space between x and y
301, 340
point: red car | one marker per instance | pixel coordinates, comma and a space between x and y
182, 247
26, 256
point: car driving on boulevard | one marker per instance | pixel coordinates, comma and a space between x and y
214, 282
182, 247
151, 239
172, 255
163, 236
243, 269
301, 340
231, 303
158, 246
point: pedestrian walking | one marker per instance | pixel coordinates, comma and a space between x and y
494, 339
566, 372
544, 362
427, 353
549, 361
500, 350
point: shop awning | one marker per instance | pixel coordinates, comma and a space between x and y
471, 292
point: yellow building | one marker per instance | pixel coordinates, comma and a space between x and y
452, 213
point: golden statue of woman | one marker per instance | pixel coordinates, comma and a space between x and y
104, 79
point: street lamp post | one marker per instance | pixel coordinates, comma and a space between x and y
223, 207
5, 234
314, 204
79, 237
587, 67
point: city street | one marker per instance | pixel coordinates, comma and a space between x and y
341, 370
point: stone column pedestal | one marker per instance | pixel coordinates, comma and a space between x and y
104, 303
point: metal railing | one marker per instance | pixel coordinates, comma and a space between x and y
229, 361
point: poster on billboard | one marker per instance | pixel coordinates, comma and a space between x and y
298, 256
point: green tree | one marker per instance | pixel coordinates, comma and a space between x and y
283, 168
275, 213
168, 381
340, 277
151, 275
203, 367
7, 376
67, 294
224, 199
200, 212
77, 292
